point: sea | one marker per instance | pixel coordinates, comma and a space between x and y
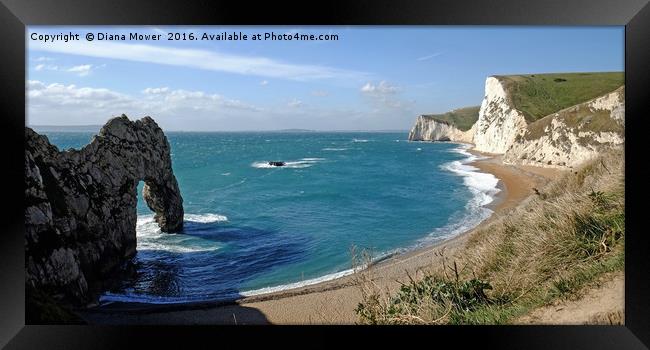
251, 228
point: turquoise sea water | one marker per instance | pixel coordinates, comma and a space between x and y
251, 228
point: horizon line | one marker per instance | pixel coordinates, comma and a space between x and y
98, 126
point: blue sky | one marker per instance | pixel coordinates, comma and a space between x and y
371, 78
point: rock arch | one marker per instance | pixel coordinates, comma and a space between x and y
80, 210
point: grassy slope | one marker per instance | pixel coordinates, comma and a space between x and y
580, 118
462, 118
538, 95
550, 248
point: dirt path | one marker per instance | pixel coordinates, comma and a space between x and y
600, 304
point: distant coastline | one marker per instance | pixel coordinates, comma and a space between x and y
95, 128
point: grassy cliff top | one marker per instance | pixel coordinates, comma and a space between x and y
538, 95
462, 118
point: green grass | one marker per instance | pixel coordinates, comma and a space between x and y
461, 118
538, 95
581, 118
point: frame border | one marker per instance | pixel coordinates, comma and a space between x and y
15, 15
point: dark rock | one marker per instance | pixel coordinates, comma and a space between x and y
277, 163
80, 205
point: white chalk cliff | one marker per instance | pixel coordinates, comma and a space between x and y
572, 135
432, 129
499, 122
561, 140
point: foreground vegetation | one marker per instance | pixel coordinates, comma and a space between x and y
538, 95
550, 247
461, 118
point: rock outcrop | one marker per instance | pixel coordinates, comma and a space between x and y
431, 129
80, 210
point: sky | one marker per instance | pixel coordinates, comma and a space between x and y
370, 78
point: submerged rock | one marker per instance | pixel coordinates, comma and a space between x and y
80, 205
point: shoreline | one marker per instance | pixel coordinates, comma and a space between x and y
329, 301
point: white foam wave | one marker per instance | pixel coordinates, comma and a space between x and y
297, 164
324, 278
205, 218
304, 283
151, 238
174, 248
334, 149
484, 188
359, 140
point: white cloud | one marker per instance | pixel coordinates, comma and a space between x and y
383, 88
43, 59
384, 95
153, 91
264, 82
200, 59
320, 93
294, 103
42, 66
195, 100
81, 70
70, 104
428, 57
176, 109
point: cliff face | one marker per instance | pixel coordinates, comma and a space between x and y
573, 135
431, 129
562, 140
80, 211
499, 123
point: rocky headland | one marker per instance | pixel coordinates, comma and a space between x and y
545, 120
80, 205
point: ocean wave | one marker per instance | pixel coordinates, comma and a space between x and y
150, 237
147, 219
108, 297
484, 188
176, 248
325, 278
296, 164
334, 149
360, 140
205, 218
332, 276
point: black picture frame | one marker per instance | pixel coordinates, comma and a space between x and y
15, 15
